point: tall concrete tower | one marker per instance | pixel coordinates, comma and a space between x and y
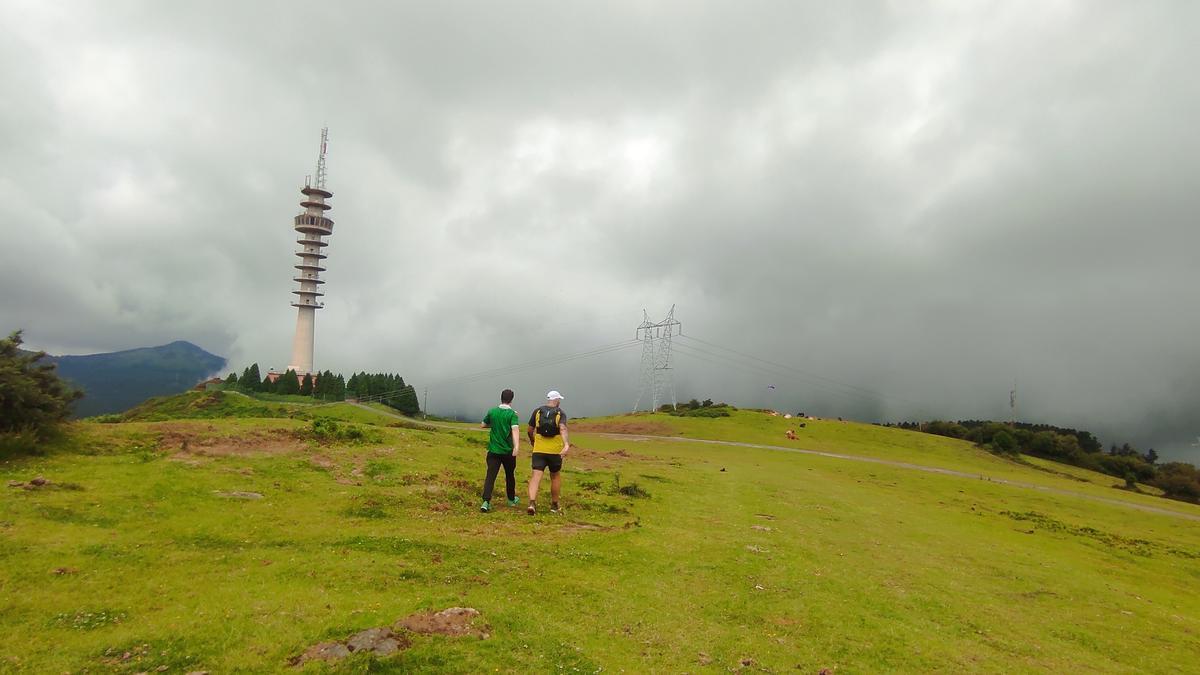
311, 226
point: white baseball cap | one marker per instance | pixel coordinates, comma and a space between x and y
553, 396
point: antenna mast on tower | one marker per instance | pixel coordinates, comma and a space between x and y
321, 158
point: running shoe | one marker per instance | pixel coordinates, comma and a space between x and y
487, 506
532, 508
554, 507
514, 501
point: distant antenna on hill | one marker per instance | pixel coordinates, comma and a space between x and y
1012, 405
656, 360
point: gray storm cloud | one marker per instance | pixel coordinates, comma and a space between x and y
913, 205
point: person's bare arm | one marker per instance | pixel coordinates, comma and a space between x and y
562, 428
516, 432
530, 434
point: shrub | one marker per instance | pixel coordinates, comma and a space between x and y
329, 430
1004, 443
1179, 481
633, 490
18, 444
950, 429
630, 490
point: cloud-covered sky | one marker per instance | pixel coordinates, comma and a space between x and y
912, 205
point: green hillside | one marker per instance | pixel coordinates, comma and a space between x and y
115, 381
214, 532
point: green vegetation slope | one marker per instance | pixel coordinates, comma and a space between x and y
207, 542
115, 381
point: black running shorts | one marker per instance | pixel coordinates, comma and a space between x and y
546, 460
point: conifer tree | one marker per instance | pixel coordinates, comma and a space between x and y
32, 396
306, 385
407, 401
255, 383
288, 383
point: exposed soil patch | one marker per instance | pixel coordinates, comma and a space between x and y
385, 640
381, 641
192, 442
633, 427
322, 462
600, 459
452, 621
447, 488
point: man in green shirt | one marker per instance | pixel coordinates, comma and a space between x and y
503, 444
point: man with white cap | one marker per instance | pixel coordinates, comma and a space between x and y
548, 435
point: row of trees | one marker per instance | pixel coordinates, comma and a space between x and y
386, 388
1076, 447
697, 408
325, 386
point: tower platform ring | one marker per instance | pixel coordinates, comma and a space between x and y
310, 190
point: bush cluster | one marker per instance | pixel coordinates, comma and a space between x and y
329, 430
1075, 447
695, 408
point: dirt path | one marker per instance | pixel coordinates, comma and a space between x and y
855, 458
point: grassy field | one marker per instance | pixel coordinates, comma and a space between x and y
146, 552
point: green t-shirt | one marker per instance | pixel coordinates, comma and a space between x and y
502, 419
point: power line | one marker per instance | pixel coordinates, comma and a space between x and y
497, 372
722, 360
531, 365
783, 365
802, 374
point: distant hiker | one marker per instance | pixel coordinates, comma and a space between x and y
503, 445
546, 425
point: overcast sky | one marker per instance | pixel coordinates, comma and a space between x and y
920, 203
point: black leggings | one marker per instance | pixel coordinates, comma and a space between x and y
494, 462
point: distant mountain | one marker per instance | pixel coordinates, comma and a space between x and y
118, 381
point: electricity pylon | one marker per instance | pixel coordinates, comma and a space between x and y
656, 380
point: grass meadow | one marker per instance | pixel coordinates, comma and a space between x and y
206, 532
